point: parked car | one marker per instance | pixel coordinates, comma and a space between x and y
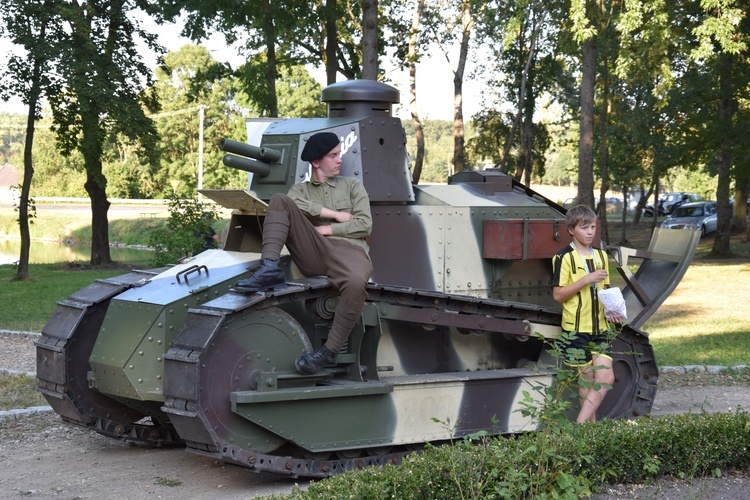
697, 215
668, 202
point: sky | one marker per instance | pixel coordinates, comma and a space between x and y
434, 76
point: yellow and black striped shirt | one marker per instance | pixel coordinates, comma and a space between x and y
568, 266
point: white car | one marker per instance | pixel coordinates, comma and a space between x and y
699, 215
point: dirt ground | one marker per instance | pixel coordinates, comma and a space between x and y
42, 457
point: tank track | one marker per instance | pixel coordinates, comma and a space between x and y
189, 348
63, 352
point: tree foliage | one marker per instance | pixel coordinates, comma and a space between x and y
187, 231
666, 88
33, 26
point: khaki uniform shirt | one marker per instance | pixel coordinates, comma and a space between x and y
342, 194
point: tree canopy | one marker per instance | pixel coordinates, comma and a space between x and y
644, 88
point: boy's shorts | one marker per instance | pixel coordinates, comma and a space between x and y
591, 345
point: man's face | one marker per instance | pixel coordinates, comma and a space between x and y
328, 166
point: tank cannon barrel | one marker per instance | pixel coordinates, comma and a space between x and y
246, 164
266, 155
248, 157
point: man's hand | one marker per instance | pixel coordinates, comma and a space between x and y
327, 213
343, 217
324, 230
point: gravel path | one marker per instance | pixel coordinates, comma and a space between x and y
17, 352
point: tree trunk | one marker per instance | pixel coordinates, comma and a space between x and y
331, 42
624, 219
413, 56
458, 97
269, 32
727, 108
654, 221
458, 126
526, 102
739, 211
604, 152
370, 39
22, 272
96, 185
528, 136
586, 141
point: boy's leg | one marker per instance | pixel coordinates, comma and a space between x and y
585, 381
604, 377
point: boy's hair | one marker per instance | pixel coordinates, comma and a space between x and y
577, 215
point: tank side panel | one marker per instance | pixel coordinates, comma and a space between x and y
406, 246
466, 271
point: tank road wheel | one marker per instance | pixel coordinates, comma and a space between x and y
63, 353
636, 376
245, 351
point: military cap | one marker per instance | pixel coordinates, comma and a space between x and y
318, 145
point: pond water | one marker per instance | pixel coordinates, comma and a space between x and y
44, 252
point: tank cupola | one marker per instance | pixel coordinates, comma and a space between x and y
353, 98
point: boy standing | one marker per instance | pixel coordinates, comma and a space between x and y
579, 271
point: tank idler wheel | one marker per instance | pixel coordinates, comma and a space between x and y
248, 347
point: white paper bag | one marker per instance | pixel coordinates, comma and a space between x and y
614, 304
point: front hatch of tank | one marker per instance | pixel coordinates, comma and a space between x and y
127, 358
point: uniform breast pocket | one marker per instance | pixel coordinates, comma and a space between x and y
344, 206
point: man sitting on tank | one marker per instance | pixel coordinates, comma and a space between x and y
323, 222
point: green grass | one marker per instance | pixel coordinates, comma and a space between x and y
19, 391
705, 321
27, 305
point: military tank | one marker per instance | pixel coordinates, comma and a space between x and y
452, 334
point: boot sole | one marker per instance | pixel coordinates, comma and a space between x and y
277, 286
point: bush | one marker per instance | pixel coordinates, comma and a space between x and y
574, 464
188, 231
688, 445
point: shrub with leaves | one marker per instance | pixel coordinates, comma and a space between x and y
187, 231
574, 465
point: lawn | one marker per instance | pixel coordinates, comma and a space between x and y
26, 305
706, 320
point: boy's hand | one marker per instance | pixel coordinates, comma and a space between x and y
597, 276
615, 318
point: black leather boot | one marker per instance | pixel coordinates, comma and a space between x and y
315, 361
266, 276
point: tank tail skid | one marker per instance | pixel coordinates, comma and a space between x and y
63, 352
